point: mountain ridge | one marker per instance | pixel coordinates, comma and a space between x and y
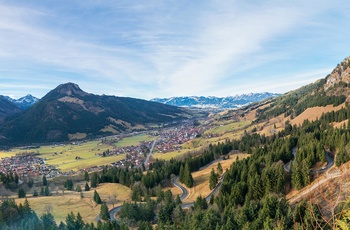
68, 110
24, 102
235, 101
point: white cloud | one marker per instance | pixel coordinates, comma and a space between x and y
161, 49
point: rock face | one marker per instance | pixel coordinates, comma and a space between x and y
340, 74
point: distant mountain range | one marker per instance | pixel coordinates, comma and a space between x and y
24, 102
216, 102
67, 113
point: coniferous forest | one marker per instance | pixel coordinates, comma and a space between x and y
252, 195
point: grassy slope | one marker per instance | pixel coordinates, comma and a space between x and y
62, 204
201, 178
134, 140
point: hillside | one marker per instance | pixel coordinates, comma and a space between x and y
69, 111
216, 102
7, 108
332, 90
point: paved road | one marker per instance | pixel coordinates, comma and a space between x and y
330, 162
185, 191
113, 211
150, 152
314, 186
288, 167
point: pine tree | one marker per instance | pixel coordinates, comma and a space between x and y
213, 179
219, 169
16, 178
188, 179
44, 181
97, 197
47, 191
104, 214
86, 176
87, 188
21, 193
181, 174
94, 180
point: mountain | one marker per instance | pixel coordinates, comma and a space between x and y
216, 102
24, 102
334, 90
7, 108
67, 112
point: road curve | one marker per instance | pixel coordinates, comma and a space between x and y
330, 162
185, 191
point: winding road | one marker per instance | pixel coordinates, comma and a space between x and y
185, 191
184, 194
330, 162
116, 209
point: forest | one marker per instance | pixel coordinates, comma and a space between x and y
252, 195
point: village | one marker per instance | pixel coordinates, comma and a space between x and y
30, 165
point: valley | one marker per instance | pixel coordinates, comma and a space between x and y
256, 166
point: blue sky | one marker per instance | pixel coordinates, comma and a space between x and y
148, 49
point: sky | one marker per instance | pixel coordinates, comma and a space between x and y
166, 48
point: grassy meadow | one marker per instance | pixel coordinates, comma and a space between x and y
63, 203
64, 156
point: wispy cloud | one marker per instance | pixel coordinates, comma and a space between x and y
164, 48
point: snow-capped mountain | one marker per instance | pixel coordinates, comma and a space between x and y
216, 102
24, 102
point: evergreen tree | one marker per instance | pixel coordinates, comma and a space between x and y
21, 193
44, 180
47, 191
68, 184
97, 197
16, 178
178, 200
86, 176
48, 221
87, 188
30, 183
94, 180
188, 179
182, 175
219, 168
213, 179
104, 214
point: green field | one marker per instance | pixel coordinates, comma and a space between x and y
129, 141
64, 156
231, 127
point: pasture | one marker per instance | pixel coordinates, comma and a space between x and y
59, 205
68, 157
